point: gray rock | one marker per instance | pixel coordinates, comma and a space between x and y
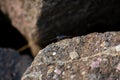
12, 65
97, 57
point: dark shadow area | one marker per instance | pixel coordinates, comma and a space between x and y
9, 36
104, 28
75, 18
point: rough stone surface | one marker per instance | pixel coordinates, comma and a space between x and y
97, 57
42, 21
12, 65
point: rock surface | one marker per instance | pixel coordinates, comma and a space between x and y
41, 21
92, 57
12, 65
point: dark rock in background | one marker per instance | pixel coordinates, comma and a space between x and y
42, 21
12, 65
92, 57
75, 17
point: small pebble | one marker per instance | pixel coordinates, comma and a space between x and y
83, 73
95, 64
118, 67
55, 76
72, 76
85, 59
57, 71
103, 44
68, 66
63, 73
50, 71
117, 48
104, 59
77, 40
73, 55
54, 53
99, 59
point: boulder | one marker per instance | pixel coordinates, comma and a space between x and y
95, 56
12, 65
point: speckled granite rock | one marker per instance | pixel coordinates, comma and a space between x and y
41, 21
92, 57
12, 65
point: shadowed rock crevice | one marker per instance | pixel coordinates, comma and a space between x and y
9, 36
76, 18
